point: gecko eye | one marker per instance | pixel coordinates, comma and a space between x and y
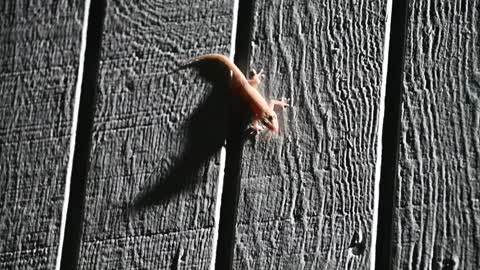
270, 118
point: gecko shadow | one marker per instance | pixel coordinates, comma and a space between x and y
206, 131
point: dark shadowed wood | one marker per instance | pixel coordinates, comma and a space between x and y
152, 184
437, 211
307, 195
39, 60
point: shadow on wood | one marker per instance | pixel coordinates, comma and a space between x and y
206, 131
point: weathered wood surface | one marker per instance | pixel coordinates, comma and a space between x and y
307, 195
39, 60
152, 184
437, 209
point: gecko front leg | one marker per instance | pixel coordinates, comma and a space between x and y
282, 103
256, 78
255, 81
267, 118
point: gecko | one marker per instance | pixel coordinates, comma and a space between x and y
263, 114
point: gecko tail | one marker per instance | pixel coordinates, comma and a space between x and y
183, 65
206, 57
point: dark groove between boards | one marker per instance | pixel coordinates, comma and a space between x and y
391, 135
236, 128
81, 156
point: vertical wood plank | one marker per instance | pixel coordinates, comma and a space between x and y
437, 209
39, 61
307, 195
154, 166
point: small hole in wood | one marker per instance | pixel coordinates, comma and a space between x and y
448, 264
357, 244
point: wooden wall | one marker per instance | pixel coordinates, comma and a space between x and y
151, 189
40, 48
437, 207
307, 195
163, 174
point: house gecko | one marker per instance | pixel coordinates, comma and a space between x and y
263, 113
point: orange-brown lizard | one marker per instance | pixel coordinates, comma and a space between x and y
263, 113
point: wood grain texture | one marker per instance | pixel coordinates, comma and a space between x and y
437, 209
39, 54
151, 189
306, 199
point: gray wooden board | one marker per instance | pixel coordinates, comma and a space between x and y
154, 165
39, 60
307, 195
437, 208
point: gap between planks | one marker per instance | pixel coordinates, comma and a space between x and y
81, 136
381, 114
223, 155
391, 136
73, 133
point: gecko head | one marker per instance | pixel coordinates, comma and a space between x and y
269, 119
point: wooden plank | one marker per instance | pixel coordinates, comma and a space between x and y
151, 192
39, 59
436, 214
307, 195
